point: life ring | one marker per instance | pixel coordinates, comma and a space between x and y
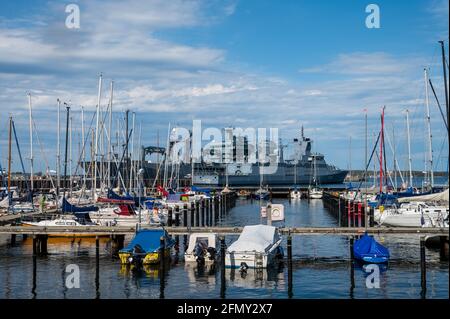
238, 172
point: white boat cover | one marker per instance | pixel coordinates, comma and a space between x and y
257, 238
4, 203
437, 197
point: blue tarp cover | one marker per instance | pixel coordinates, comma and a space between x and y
149, 240
69, 208
368, 249
200, 190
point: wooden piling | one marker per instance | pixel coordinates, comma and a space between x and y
162, 265
185, 215
197, 214
222, 268
35, 245
13, 239
170, 217
372, 217
352, 265
177, 216
289, 256
443, 247
97, 268
192, 215
423, 267
202, 212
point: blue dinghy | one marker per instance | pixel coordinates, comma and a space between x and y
368, 250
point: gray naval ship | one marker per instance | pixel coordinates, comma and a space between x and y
302, 167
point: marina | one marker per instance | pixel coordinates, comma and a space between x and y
224, 151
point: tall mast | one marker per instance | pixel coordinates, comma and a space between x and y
127, 112
97, 131
381, 150
83, 149
70, 156
409, 150
366, 222
430, 143
9, 158
109, 135
132, 151
394, 158
31, 142
58, 151
67, 144
445, 79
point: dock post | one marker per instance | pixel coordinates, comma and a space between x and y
359, 214
192, 215
42, 243
443, 248
13, 239
202, 213
24, 236
169, 217
177, 216
197, 213
206, 210
289, 255
353, 214
423, 268
339, 212
33, 287
352, 265
371, 217
162, 265
35, 246
349, 223
222, 268
213, 210
97, 267
185, 217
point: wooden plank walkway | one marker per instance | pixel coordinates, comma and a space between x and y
120, 230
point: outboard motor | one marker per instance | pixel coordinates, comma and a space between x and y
243, 268
211, 253
199, 253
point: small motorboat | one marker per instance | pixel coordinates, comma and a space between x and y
202, 248
295, 194
244, 194
145, 247
262, 193
315, 193
256, 247
368, 250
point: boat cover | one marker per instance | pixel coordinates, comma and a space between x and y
437, 197
148, 240
368, 249
257, 238
207, 191
69, 208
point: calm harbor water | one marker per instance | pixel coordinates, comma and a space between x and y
320, 268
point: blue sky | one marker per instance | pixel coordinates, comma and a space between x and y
243, 63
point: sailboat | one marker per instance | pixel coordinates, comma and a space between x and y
295, 193
315, 192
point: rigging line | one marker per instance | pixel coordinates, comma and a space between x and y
20, 154
42, 152
368, 164
84, 143
439, 104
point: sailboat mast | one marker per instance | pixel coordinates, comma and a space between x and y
67, 144
70, 157
58, 151
409, 150
445, 78
31, 142
430, 143
109, 134
83, 149
9, 157
97, 126
132, 152
381, 151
